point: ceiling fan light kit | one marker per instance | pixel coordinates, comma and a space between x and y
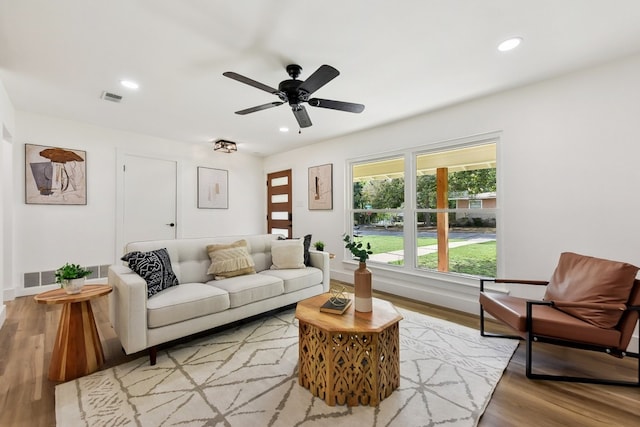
296, 92
225, 146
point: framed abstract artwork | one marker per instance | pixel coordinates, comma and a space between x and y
213, 188
321, 187
55, 176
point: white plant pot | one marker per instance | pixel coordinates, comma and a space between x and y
73, 286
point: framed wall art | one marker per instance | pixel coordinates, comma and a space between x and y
213, 188
321, 187
55, 176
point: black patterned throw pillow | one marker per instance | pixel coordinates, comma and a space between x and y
307, 243
154, 267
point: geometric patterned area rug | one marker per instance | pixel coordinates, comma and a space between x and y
248, 376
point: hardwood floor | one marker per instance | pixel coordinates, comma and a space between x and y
27, 396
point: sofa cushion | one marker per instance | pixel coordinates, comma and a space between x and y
247, 289
187, 301
154, 267
580, 278
230, 260
296, 279
287, 254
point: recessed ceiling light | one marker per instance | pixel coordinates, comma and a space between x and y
284, 129
129, 84
509, 44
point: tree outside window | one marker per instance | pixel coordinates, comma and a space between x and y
453, 207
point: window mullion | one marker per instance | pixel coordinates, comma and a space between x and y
442, 202
409, 216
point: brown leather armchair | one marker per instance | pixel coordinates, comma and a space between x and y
589, 303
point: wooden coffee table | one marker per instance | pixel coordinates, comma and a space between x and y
77, 350
351, 358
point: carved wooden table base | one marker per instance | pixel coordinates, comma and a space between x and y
352, 358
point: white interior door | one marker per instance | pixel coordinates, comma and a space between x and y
149, 198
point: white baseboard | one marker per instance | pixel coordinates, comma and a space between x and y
13, 293
9, 294
24, 292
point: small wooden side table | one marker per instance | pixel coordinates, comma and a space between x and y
77, 350
353, 358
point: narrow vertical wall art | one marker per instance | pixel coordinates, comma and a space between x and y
321, 187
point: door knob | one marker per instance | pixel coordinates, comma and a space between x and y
171, 224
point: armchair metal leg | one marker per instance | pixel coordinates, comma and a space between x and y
531, 337
568, 378
483, 332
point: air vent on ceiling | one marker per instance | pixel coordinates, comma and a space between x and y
108, 96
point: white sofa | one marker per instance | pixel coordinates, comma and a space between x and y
199, 302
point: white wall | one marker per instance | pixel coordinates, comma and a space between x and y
568, 176
7, 117
47, 236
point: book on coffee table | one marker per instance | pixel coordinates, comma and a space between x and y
331, 307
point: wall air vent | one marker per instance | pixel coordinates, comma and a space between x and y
108, 96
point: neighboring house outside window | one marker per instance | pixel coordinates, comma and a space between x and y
476, 201
437, 215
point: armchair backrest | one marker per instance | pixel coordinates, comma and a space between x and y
584, 279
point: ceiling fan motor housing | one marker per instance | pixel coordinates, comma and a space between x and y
290, 89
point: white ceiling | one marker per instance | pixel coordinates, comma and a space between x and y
398, 58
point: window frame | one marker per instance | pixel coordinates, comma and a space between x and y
410, 210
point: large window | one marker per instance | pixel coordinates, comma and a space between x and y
447, 222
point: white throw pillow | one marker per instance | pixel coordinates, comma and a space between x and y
287, 254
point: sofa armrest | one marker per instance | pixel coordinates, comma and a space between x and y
320, 260
128, 308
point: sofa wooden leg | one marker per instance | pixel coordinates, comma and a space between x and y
153, 354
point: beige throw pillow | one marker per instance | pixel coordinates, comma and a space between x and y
287, 254
230, 260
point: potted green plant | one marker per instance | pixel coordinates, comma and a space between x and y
71, 277
319, 245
